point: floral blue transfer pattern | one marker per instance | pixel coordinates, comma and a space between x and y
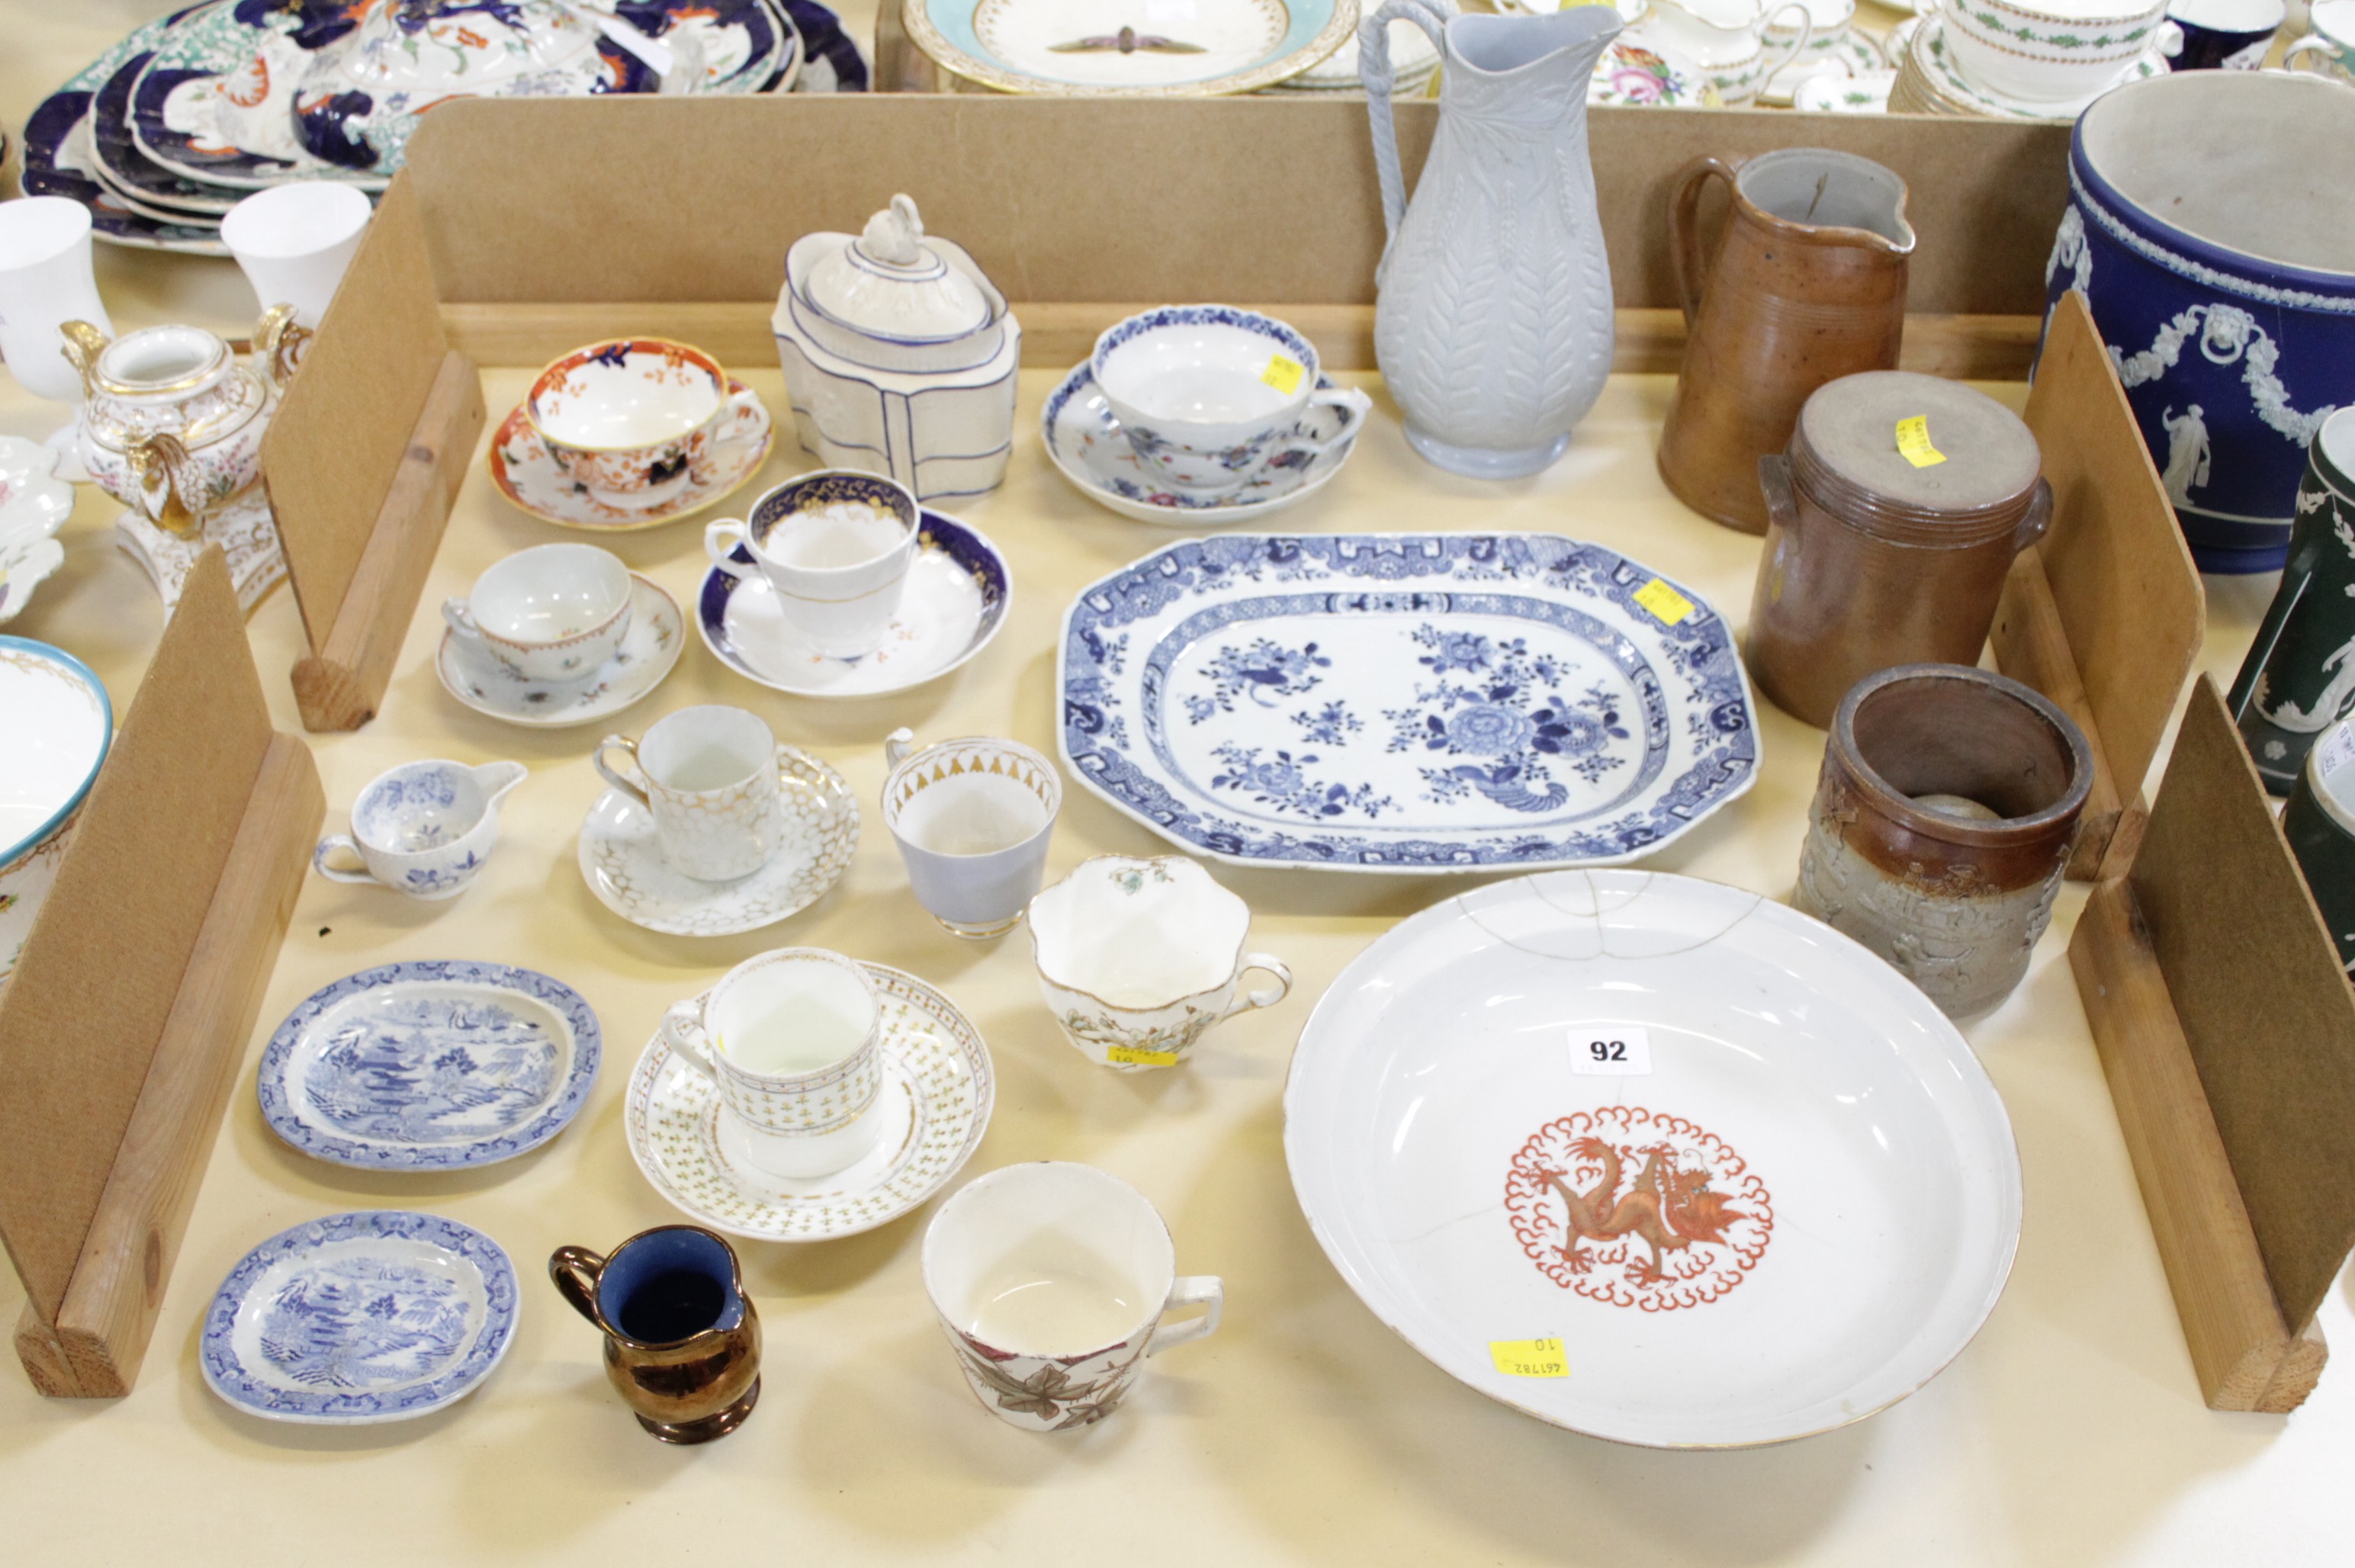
1419, 703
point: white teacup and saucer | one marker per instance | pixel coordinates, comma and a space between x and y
521, 647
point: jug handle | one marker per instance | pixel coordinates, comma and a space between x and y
575, 1271
1684, 229
1374, 73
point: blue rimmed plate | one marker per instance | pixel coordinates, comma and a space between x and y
958, 589
56, 724
1404, 702
1080, 47
435, 1064
360, 1318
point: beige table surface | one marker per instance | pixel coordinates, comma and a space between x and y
2069, 1432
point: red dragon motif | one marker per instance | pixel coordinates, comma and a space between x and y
1702, 1216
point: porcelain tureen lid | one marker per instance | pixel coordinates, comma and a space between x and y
888, 282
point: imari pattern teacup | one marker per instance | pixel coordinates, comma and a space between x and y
628, 420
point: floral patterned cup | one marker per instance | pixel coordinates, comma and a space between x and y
709, 776
1138, 958
553, 612
1051, 1281
792, 1039
629, 420
1209, 395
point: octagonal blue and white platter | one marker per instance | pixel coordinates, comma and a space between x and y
1405, 702
430, 1065
357, 1319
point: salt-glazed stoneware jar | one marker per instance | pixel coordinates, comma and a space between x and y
2221, 270
1941, 826
1894, 515
900, 356
173, 424
1808, 285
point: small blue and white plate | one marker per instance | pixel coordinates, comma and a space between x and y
958, 589
1404, 702
361, 1317
430, 1065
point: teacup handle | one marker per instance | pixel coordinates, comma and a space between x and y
1353, 406
576, 1271
899, 746
742, 401
1806, 33
2312, 44
328, 846
1246, 1000
636, 788
682, 1030
719, 541
1204, 1290
461, 616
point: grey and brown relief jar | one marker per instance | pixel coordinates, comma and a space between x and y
1942, 823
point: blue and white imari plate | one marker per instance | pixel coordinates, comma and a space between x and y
1405, 702
430, 1065
360, 1318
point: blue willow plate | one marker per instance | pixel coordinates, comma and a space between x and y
360, 1318
1404, 702
430, 1065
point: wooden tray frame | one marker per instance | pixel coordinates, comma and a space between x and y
123, 1027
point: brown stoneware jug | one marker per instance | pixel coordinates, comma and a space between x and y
1807, 286
1942, 823
1896, 512
682, 1341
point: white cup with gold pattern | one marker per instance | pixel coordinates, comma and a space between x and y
790, 1037
973, 819
708, 774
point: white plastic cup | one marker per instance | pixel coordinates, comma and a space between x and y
46, 281
294, 241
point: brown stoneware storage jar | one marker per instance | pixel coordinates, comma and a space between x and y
1808, 285
1874, 560
1941, 825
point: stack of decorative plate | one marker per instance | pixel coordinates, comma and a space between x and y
1132, 49
165, 132
1929, 81
1414, 66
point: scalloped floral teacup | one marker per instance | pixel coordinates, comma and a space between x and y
424, 828
1138, 958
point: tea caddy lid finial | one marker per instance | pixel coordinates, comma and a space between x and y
890, 283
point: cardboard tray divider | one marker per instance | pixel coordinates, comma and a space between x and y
123, 1027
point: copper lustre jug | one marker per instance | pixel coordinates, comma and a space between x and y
1807, 286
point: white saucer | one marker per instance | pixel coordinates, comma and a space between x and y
648, 654
622, 863
1084, 440
1955, 92
958, 590
1867, 93
937, 1093
1854, 56
528, 476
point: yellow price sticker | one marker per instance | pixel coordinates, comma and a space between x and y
1914, 442
1667, 606
1129, 1056
1529, 1358
1284, 374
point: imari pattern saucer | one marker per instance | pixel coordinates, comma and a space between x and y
647, 654
1085, 443
622, 860
358, 1318
938, 1090
430, 1065
526, 476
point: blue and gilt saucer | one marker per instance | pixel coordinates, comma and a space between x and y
353, 1319
649, 652
958, 590
1085, 443
430, 1065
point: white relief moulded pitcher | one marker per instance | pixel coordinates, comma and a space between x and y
1493, 325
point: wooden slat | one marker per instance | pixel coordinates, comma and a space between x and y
100, 1333
1059, 334
340, 684
2031, 646
2245, 1355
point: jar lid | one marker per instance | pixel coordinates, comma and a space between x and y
890, 284
1970, 461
